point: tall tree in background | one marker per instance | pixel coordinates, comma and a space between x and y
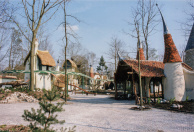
188, 23
44, 40
35, 11
102, 66
115, 46
144, 21
6, 12
186, 26
67, 36
15, 49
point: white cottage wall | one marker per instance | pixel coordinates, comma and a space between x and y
27, 68
174, 82
43, 81
189, 83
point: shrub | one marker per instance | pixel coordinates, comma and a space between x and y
172, 100
158, 100
187, 98
149, 100
45, 116
3, 91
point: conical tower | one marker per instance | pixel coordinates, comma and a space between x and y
174, 84
141, 52
189, 50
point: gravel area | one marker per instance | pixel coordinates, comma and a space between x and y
104, 114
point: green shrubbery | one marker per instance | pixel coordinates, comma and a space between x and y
45, 115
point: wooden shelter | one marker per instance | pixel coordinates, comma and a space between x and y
126, 78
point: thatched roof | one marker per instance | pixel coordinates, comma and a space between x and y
72, 64
44, 56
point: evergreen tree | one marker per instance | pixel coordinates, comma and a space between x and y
45, 116
102, 65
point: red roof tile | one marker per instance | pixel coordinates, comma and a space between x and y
148, 68
171, 53
142, 57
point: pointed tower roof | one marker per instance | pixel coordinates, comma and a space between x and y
190, 43
142, 57
171, 53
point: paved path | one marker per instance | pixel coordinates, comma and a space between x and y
102, 114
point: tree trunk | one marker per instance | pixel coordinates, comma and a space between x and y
146, 50
66, 40
32, 55
10, 56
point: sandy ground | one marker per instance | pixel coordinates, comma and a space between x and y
103, 114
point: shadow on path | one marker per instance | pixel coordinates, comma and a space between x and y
100, 99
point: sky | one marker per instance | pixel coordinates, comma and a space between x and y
103, 19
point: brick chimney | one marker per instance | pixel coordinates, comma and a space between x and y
91, 72
142, 57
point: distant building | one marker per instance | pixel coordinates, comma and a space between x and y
189, 50
43, 61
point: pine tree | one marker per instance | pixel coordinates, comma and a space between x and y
45, 116
102, 66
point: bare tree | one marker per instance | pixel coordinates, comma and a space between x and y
15, 47
6, 11
187, 24
3, 44
91, 58
35, 11
115, 46
144, 21
67, 39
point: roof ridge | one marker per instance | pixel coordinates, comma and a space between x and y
43, 50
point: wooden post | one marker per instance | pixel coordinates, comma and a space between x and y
67, 86
140, 86
83, 82
154, 90
134, 88
162, 90
116, 94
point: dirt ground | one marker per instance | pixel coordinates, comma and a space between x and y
104, 114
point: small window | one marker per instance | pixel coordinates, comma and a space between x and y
39, 64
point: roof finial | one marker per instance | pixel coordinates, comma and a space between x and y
140, 45
166, 31
119, 56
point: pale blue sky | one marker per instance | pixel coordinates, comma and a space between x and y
101, 19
